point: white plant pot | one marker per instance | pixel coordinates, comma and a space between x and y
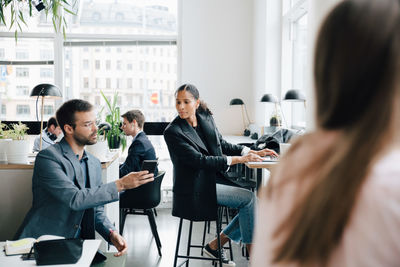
3, 150
99, 150
17, 151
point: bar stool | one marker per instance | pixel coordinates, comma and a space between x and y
221, 211
189, 245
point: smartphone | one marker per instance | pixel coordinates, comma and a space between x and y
149, 165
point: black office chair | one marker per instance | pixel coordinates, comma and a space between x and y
142, 200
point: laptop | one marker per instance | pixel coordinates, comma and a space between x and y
269, 158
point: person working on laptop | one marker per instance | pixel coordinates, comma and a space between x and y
68, 195
49, 135
198, 152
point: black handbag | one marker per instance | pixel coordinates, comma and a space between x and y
59, 251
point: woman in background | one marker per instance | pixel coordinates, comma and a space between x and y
334, 200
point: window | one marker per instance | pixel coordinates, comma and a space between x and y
85, 82
21, 54
129, 66
46, 54
22, 72
129, 83
97, 100
97, 83
23, 110
294, 57
48, 110
97, 64
108, 64
2, 53
85, 64
119, 63
108, 82
3, 109
46, 73
22, 90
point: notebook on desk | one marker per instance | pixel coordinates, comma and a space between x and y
269, 158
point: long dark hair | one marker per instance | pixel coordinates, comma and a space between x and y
356, 73
195, 93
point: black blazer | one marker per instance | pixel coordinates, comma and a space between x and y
197, 166
140, 149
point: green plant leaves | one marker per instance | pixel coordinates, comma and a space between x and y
17, 17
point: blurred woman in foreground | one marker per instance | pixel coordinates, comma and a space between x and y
334, 200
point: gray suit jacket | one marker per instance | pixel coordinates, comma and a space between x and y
60, 197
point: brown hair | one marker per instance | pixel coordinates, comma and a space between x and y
195, 93
66, 113
356, 70
136, 115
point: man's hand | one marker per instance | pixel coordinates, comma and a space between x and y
133, 180
119, 242
265, 152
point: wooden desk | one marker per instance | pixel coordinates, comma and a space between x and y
16, 195
89, 250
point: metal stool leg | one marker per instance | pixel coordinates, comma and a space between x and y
177, 241
189, 242
218, 224
204, 236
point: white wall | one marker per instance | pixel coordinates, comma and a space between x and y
317, 10
217, 56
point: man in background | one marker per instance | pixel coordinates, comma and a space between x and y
141, 148
49, 135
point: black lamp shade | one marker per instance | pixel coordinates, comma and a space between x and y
46, 89
294, 95
269, 98
236, 101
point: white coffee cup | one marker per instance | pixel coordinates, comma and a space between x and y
283, 148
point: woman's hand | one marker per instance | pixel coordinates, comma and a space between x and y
265, 152
250, 157
119, 242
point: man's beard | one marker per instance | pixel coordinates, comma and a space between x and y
82, 141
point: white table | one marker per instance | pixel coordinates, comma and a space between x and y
238, 139
89, 250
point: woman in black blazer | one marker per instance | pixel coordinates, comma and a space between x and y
198, 153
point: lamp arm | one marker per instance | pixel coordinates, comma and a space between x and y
244, 123
247, 114
283, 115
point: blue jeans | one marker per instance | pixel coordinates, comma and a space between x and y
241, 227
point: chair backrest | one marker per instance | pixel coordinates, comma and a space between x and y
147, 196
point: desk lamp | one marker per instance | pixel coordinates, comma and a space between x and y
238, 101
44, 90
270, 98
294, 95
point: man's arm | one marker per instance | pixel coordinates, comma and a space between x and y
132, 162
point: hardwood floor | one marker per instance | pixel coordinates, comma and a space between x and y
143, 250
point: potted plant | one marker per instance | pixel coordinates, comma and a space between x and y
19, 10
115, 136
3, 142
18, 149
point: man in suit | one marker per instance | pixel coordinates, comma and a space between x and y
49, 135
68, 195
141, 147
